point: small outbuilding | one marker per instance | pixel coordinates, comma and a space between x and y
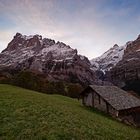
114, 101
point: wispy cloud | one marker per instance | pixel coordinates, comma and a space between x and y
90, 26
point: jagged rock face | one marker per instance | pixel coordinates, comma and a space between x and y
109, 59
127, 71
57, 61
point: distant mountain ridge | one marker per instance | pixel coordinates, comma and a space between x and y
109, 59
59, 62
126, 73
120, 65
56, 60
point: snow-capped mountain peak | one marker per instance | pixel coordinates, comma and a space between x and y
56, 60
23, 47
109, 59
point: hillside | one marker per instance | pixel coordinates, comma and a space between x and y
26, 114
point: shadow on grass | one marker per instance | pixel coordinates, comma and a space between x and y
98, 112
101, 113
90, 109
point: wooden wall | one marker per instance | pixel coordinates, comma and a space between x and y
129, 116
95, 100
88, 100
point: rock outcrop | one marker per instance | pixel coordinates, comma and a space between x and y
109, 59
127, 71
56, 60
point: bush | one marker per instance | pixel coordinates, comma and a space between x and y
27, 79
66, 89
73, 90
34, 81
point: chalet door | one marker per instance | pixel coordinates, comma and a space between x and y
89, 100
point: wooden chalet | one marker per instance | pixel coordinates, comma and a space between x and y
114, 101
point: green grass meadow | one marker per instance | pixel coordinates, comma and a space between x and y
30, 115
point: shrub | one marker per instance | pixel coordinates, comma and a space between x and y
34, 81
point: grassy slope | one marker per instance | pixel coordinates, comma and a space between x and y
26, 114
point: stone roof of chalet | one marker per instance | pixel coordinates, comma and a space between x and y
117, 97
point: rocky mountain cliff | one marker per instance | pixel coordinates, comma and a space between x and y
109, 59
121, 65
56, 60
126, 73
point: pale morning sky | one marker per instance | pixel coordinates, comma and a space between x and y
90, 26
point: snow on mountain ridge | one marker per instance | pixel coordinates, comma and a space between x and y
55, 60
27, 37
109, 59
23, 47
